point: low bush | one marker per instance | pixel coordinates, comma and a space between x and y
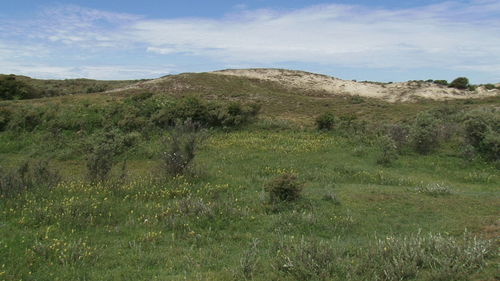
207, 114
489, 87
482, 132
101, 153
325, 121
181, 147
285, 187
426, 257
388, 153
309, 260
29, 175
424, 133
461, 83
11, 88
441, 82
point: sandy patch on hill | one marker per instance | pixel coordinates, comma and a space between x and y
392, 92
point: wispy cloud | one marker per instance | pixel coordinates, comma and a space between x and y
451, 35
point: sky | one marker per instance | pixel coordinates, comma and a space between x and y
385, 40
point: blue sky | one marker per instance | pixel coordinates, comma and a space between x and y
364, 40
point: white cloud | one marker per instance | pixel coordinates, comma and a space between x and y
433, 36
452, 35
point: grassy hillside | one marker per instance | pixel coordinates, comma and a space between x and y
362, 201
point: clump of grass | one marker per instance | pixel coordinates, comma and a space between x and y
434, 256
309, 260
284, 188
249, 260
433, 189
331, 197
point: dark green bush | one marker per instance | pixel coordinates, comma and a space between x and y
441, 82
482, 132
489, 87
424, 133
460, 83
11, 88
325, 121
285, 187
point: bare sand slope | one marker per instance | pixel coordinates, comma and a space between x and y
392, 92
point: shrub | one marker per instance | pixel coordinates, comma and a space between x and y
325, 121
489, 87
285, 187
26, 118
181, 147
101, 155
441, 82
27, 176
440, 257
460, 83
388, 151
309, 260
482, 131
206, 114
399, 133
11, 88
424, 133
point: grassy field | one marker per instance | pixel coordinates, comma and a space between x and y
420, 217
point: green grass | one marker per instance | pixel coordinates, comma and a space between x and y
205, 227
420, 217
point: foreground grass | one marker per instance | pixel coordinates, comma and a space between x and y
356, 221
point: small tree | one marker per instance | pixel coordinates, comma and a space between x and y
460, 83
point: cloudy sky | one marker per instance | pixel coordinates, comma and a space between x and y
385, 40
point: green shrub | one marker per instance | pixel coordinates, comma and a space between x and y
29, 175
325, 121
11, 88
435, 256
399, 133
482, 131
207, 114
441, 82
460, 83
25, 118
388, 153
181, 147
101, 155
309, 260
489, 87
424, 133
285, 187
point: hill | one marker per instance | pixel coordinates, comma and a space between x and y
307, 84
